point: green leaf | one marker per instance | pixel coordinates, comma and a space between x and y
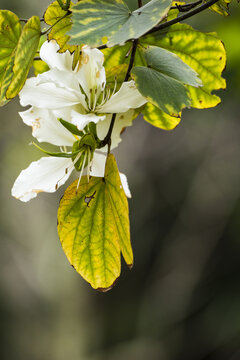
56, 15
161, 90
93, 227
203, 52
25, 52
99, 21
160, 119
95, 19
10, 30
170, 64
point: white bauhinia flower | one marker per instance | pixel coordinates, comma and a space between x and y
62, 99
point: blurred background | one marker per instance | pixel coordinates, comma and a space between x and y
181, 300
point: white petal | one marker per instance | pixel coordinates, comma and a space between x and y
91, 73
49, 54
125, 185
127, 97
65, 79
122, 121
98, 165
46, 174
81, 120
46, 127
48, 95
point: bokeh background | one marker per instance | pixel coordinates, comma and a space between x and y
181, 300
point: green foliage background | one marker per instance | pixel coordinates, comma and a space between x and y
181, 300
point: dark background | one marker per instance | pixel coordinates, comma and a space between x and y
181, 300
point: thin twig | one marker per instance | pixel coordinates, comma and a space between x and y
107, 139
140, 3
26, 20
182, 17
186, 7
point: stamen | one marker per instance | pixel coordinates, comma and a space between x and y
115, 86
69, 168
94, 100
88, 166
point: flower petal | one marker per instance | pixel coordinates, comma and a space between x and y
81, 120
125, 185
98, 165
48, 95
91, 73
46, 127
46, 174
127, 97
49, 54
122, 121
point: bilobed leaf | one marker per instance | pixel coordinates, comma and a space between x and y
56, 15
25, 52
93, 227
170, 64
10, 30
160, 119
94, 21
140, 21
203, 52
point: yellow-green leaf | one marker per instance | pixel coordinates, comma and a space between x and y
25, 52
56, 15
93, 227
40, 67
160, 119
221, 7
96, 21
203, 52
10, 30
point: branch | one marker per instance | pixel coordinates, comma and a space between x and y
177, 19
182, 17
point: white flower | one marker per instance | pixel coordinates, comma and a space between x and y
78, 97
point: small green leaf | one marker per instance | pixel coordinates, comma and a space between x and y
163, 91
160, 119
203, 52
93, 227
25, 52
10, 30
70, 127
99, 21
56, 15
